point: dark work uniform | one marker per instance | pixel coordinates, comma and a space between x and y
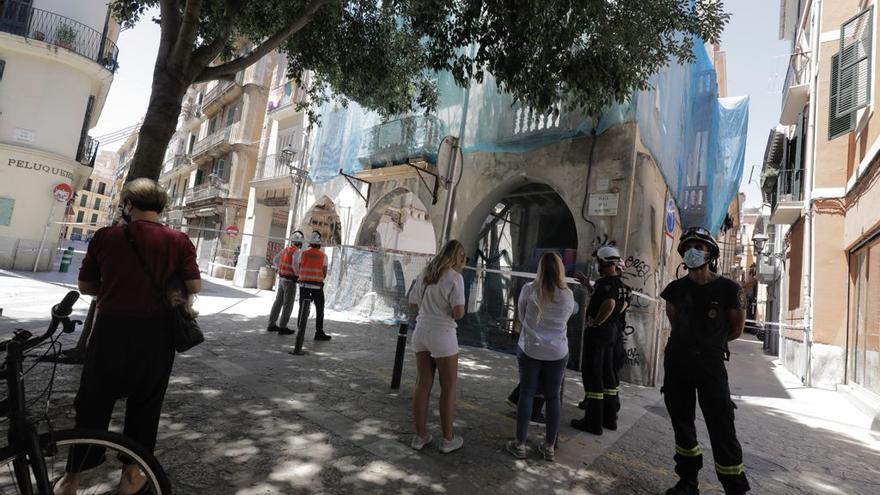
694, 365
597, 361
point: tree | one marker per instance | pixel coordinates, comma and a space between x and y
382, 53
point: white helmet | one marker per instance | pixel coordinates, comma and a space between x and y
608, 254
315, 238
297, 236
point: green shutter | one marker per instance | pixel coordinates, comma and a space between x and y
854, 72
838, 126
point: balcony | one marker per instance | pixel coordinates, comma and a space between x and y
214, 190
87, 151
175, 162
174, 215
54, 29
787, 198
283, 101
216, 144
795, 90
522, 124
191, 114
413, 138
222, 93
274, 167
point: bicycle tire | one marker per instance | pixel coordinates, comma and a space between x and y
108, 445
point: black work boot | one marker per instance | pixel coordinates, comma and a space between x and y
285, 331
272, 328
584, 425
684, 487
322, 336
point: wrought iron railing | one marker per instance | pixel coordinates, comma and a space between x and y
203, 192
285, 95
272, 166
227, 134
400, 140
220, 89
789, 187
87, 151
190, 111
797, 65
175, 161
61, 31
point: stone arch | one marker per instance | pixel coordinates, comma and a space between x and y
399, 220
322, 217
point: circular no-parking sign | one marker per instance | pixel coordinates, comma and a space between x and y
670, 216
232, 231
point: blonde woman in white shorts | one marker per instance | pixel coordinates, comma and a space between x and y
439, 295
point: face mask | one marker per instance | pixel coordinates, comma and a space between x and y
694, 258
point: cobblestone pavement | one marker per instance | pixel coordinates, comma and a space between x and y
243, 416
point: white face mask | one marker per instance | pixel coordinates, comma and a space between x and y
694, 258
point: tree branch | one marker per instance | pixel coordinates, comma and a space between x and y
186, 35
170, 24
241, 63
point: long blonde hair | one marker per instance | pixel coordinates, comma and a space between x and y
551, 276
446, 258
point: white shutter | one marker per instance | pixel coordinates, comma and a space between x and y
854, 70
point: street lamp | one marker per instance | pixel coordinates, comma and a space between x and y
759, 241
297, 178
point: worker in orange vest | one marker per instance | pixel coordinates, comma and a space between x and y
286, 292
311, 267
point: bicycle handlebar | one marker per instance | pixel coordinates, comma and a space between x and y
60, 313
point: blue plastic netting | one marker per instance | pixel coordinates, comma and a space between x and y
696, 138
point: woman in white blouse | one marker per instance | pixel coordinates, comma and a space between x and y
545, 306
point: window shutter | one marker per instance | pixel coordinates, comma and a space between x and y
854, 72
838, 126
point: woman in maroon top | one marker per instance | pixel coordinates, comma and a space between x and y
130, 353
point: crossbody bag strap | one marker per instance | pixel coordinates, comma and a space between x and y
144, 266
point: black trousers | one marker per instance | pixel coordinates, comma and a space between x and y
317, 297
128, 357
601, 385
692, 377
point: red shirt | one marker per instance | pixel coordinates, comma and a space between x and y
125, 287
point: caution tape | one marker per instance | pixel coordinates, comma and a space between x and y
776, 324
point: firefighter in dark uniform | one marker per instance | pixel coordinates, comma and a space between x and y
601, 401
706, 311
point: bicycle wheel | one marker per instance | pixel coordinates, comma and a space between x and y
98, 456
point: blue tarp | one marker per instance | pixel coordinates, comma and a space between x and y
697, 139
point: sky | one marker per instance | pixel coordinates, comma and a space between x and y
756, 65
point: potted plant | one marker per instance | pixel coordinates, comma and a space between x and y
39, 36
65, 36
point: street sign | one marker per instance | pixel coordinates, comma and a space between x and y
232, 231
603, 204
62, 192
670, 217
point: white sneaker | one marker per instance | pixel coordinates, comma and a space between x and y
447, 446
418, 443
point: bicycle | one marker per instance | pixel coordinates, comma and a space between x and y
33, 462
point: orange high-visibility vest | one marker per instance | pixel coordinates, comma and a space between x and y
311, 266
285, 263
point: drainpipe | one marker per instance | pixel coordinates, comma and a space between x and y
809, 178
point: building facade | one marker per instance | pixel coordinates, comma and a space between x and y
91, 206
57, 60
820, 180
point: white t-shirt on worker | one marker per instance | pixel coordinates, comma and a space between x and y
436, 301
544, 333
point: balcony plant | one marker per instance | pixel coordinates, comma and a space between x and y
65, 36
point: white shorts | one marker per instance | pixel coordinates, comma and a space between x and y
439, 342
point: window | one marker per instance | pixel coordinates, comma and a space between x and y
851, 74
97, 203
88, 185
838, 126
80, 216
83, 200
192, 142
854, 63
94, 218
865, 311
219, 168
76, 234
101, 189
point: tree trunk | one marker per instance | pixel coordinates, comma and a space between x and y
158, 126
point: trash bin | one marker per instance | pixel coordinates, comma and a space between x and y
66, 259
266, 278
